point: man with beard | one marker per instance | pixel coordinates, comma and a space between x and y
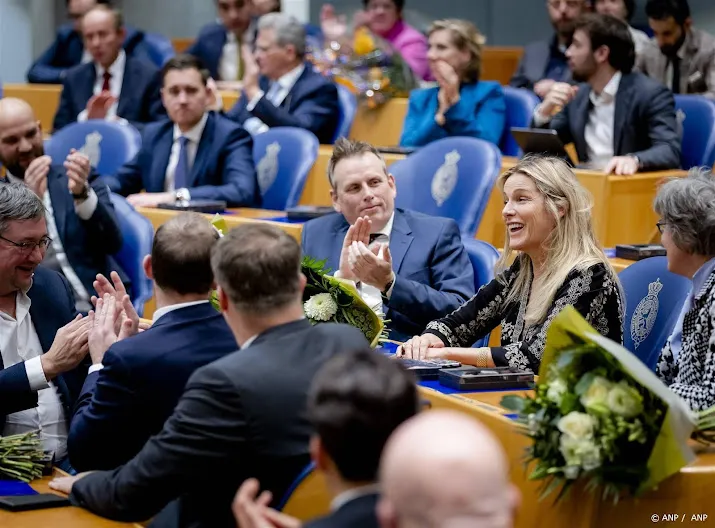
620, 121
80, 216
685, 57
544, 62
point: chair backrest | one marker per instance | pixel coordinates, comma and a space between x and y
108, 145
698, 126
483, 257
283, 158
451, 177
348, 109
160, 48
520, 104
654, 298
307, 498
138, 235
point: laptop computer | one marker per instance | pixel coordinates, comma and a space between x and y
541, 141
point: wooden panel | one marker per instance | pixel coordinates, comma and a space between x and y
500, 63
181, 44
43, 98
229, 98
382, 126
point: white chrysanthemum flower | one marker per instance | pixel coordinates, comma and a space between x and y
320, 307
625, 400
579, 426
557, 388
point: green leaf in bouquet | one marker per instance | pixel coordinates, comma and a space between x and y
584, 383
569, 403
514, 403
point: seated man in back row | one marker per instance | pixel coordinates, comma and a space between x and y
408, 265
196, 154
288, 92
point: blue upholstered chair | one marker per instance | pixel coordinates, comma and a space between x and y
160, 48
283, 158
108, 145
348, 109
520, 104
451, 177
654, 298
483, 257
698, 144
138, 235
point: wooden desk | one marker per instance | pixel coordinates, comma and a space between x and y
181, 44
69, 517
381, 126
43, 98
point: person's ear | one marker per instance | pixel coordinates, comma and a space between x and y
318, 455
148, 270
334, 198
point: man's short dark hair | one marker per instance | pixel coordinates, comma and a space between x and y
399, 4
184, 61
605, 30
664, 9
258, 266
357, 399
181, 254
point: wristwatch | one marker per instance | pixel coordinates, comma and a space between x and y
182, 195
388, 285
82, 196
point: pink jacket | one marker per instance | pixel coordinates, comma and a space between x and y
412, 45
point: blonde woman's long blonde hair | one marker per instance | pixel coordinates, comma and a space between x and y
571, 244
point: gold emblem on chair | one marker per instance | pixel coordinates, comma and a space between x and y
91, 148
267, 168
645, 314
445, 179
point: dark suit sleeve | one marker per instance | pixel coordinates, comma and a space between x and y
42, 70
155, 106
561, 123
452, 277
128, 179
519, 79
15, 392
65, 112
238, 112
664, 152
207, 428
102, 228
102, 416
239, 182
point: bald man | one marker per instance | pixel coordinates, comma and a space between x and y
80, 216
114, 86
443, 468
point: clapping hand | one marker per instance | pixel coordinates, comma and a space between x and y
78, 167
68, 349
116, 289
358, 232
251, 510
251, 72
98, 105
368, 267
36, 175
448, 81
334, 26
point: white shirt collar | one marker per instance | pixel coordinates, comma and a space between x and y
195, 133
608, 95
166, 309
117, 67
387, 230
352, 494
288, 80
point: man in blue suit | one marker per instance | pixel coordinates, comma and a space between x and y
288, 91
68, 51
197, 154
80, 216
113, 86
411, 266
42, 339
112, 420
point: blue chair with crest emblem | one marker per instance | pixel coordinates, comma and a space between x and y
483, 257
283, 158
451, 177
654, 297
520, 104
698, 129
108, 145
348, 108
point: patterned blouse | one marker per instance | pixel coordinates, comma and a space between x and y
594, 292
693, 376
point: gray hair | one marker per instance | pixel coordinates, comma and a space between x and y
687, 207
288, 30
18, 202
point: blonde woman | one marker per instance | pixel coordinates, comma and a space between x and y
558, 263
461, 104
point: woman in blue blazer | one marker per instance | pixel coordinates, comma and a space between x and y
461, 104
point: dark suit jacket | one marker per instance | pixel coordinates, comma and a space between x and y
534, 65
241, 416
88, 244
645, 124
139, 100
67, 49
112, 420
208, 47
52, 307
223, 168
311, 104
433, 273
357, 513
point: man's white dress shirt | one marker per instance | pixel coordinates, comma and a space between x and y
192, 147
277, 93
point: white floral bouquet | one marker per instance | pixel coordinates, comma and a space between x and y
599, 414
329, 299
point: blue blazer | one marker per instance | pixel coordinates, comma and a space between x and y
88, 244
208, 47
311, 104
52, 307
128, 401
480, 113
67, 49
139, 101
223, 168
433, 273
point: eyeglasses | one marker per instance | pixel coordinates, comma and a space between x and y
661, 226
29, 247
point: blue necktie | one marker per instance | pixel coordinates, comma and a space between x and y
181, 173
